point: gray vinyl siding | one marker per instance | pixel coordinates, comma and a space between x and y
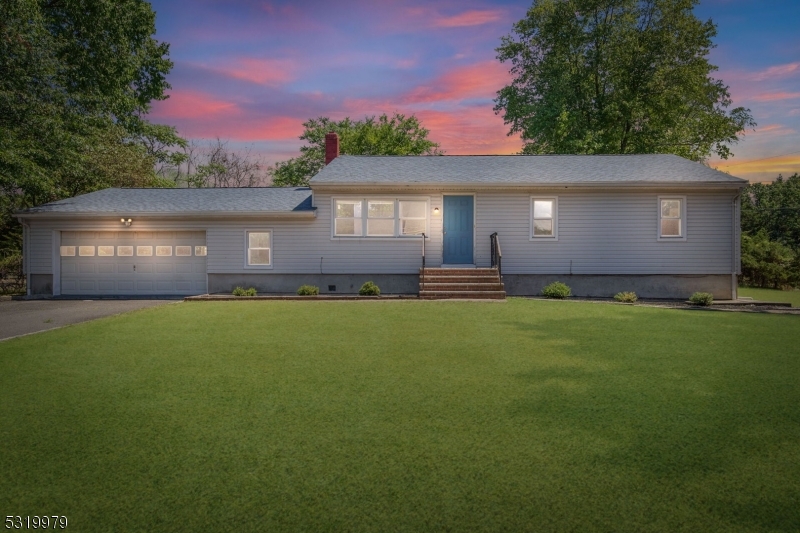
41, 250
306, 246
608, 233
599, 232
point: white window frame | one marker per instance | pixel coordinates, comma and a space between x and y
399, 217
546, 238
247, 264
682, 218
365, 216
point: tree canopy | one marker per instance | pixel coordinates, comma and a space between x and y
771, 233
398, 135
617, 77
76, 80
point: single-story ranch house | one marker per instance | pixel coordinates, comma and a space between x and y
659, 225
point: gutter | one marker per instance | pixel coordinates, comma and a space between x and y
309, 214
587, 185
735, 243
26, 250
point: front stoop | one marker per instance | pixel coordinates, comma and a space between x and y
460, 284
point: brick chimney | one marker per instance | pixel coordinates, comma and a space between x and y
331, 147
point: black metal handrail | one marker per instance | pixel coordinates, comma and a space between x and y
423, 261
497, 254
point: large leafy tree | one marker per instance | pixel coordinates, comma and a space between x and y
76, 80
774, 209
398, 135
617, 77
771, 233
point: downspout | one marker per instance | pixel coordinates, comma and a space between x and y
26, 250
734, 245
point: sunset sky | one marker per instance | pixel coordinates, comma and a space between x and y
253, 71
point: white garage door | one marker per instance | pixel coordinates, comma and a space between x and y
133, 263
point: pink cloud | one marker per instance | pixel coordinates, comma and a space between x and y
470, 131
191, 105
199, 115
473, 17
270, 72
777, 71
429, 17
774, 129
481, 80
772, 97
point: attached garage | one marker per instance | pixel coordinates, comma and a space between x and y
162, 242
133, 263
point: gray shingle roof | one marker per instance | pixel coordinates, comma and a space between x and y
183, 201
519, 170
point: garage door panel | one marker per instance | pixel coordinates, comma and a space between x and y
132, 275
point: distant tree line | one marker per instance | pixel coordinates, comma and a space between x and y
771, 234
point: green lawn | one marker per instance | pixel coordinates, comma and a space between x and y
771, 295
406, 416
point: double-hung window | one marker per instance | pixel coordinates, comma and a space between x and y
544, 218
671, 218
348, 218
379, 217
259, 248
413, 217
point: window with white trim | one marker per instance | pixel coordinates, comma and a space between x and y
259, 248
671, 219
200, 251
379, 217
413, 217
67, 251
544, 218
348, 218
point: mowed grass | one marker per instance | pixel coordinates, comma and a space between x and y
771, 295
406, 416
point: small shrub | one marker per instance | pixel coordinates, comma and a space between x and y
369, 289
626, 297
702, 298
557, 290
240, 291
307, 290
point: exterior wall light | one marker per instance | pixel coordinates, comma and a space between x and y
436, 211
126, 221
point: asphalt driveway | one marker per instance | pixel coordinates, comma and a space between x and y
20, 317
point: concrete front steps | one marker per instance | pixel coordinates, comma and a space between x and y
460, 284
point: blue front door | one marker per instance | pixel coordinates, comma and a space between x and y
458, 222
